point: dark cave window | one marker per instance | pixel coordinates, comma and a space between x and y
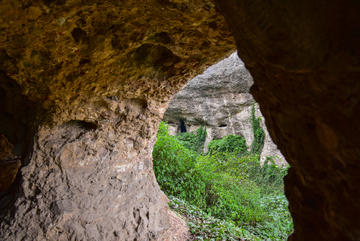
223, 125
182, 126
88, 126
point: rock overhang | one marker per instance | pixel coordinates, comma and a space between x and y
67, 53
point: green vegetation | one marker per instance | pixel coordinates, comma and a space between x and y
226, 194
259, 134
229, 144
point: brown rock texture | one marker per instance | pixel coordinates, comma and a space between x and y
84, 85
304, 57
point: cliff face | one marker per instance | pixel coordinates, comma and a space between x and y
84, 85
220, 100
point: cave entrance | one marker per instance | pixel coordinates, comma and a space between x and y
182, 126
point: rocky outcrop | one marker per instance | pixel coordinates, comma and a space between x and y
305, 61
83, 87
219, 99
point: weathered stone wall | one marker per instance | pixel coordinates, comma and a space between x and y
304, 57
84, 85
219, 99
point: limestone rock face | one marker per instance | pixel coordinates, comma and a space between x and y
305, 61
83, 87
220, 100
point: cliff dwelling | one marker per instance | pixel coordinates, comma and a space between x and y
84, 85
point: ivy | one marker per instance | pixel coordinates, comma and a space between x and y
259, 135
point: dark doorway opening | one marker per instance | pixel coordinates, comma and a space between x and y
182, 126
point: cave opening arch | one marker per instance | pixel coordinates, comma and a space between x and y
298, 53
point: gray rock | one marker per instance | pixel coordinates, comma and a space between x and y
220, 100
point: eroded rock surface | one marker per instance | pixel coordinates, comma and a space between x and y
84, 85
219, 99
305, 61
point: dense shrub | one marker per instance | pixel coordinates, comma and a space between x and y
228, 144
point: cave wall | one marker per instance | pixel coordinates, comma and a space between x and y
304, 57
84, 85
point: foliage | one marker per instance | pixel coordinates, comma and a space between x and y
259, 134
228, 144
193, 141
228, 184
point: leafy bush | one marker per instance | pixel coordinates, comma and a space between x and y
193, 141
228, 144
